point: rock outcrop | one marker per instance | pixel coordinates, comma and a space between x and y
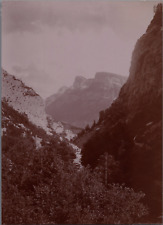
25, 100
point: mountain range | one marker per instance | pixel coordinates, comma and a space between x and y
80, 104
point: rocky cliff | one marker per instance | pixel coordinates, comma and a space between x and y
131, 129
79, 105
25, 100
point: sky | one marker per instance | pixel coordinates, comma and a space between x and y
48, 43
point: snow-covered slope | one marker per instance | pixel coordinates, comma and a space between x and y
25, 100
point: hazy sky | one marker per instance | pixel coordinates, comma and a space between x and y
48, 43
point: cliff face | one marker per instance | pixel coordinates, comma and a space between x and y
145, 79
79, 105
131, 129
25, 100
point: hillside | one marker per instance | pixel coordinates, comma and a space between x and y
28, 158
80, 104
25, 100
130, 130
41, 179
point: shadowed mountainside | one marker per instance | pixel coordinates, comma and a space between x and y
131, 128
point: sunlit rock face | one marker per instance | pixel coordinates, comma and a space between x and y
80, 104
25, 100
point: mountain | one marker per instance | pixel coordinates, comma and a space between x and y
25, 100
79, 104
131, 129
24, 116
30, 158
40, 181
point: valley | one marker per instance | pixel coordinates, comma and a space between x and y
90, 153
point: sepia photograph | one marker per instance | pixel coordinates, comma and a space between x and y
81, 112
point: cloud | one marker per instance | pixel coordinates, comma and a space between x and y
48, 43
36, 78
18, 69
18, 17
32, 16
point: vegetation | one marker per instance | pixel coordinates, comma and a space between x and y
135, 143
43, 186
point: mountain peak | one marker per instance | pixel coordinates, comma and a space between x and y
81, 103
157, 19
146, 65
79, 81
104, 75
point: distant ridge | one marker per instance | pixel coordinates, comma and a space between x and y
80, 104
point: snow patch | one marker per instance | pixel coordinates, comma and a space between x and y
37, 142
3, 130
